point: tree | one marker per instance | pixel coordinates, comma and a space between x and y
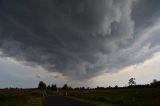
155, 83
42, 85
48, 87
54, 87
65, 86
132, 82
116, 87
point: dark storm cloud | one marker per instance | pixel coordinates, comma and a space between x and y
78, 38
145, 11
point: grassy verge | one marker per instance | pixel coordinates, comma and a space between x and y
21, 98
95, 103
118, 97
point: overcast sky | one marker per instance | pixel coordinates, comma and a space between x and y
79, 42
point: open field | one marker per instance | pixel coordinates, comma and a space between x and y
118, 97
13, 97
103, 97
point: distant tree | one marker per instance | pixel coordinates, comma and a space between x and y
65, 86
116, 87
109, 87
54, 87
132, 82
99, 87
155, 83
48, 87
42, 85
82, 88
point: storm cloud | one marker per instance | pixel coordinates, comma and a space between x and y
77, 38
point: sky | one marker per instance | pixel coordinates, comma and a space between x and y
82, 43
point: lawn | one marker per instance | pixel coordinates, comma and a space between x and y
12, 97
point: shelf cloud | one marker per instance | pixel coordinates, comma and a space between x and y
79, 38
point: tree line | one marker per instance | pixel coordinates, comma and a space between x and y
131, 84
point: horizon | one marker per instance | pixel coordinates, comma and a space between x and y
86, 43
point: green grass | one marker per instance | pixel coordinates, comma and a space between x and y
119, 97
21, 98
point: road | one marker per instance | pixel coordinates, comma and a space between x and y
62, 101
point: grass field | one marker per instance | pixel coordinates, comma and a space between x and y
106, 97
118, 97
14, 97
